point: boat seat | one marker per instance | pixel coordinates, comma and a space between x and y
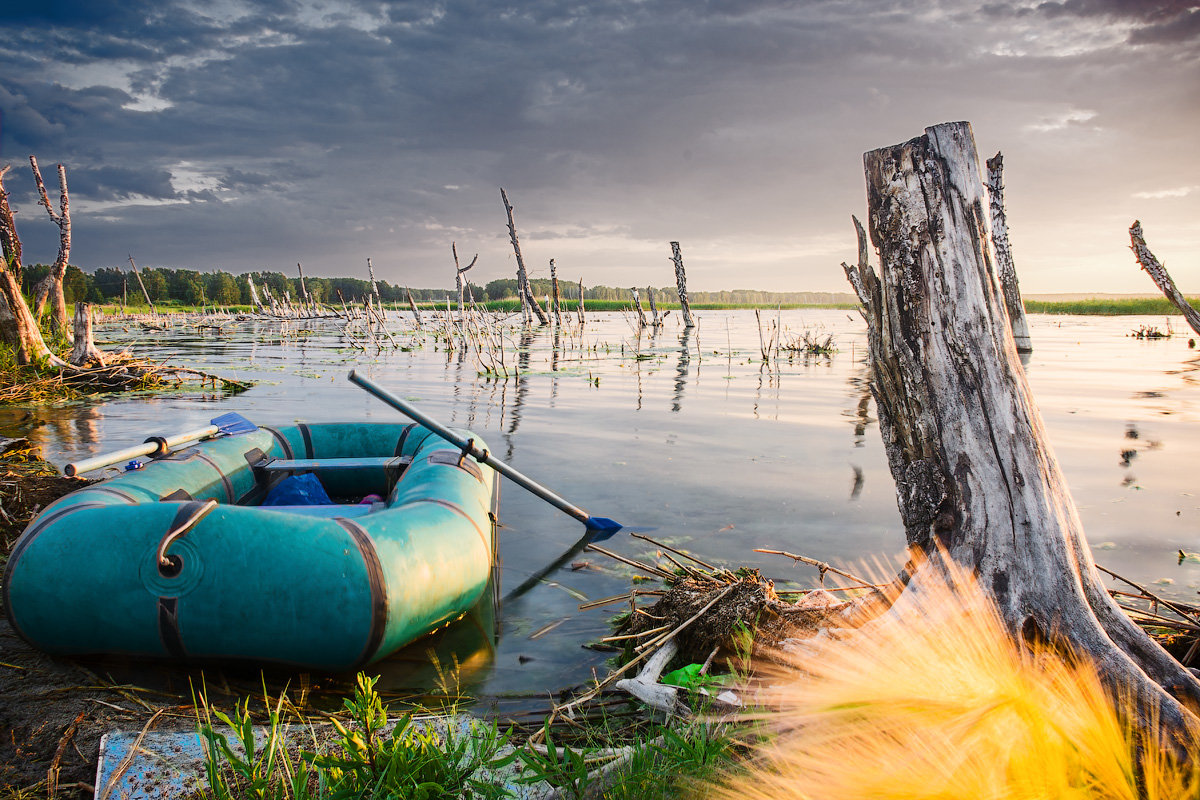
332, 464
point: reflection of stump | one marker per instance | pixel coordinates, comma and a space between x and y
85, 354
976, 481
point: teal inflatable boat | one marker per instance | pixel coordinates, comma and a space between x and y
191, 556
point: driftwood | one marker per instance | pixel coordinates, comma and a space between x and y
681, 284
976, 481
529, 303
1159, 274
1004, 259
51, 287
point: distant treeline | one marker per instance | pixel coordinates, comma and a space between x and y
194, 288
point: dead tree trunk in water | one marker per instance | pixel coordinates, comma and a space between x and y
18, 325
556, 302
458, 276
51, 287
976, 481
580, 309
145, 293
681, 284
637, 304
1004, 259
528, 301
1161, 279
85, 353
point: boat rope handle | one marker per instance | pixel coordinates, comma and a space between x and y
163, 560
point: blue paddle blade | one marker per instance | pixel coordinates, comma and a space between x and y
233, 423
602, 528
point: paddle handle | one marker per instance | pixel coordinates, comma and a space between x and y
483, 456
152, 446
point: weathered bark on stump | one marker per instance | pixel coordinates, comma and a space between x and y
51, 287
1161, 278
303, 289
1004, 259
85, 353
655, 320
254, 294
681, 285
580, 309
975, 478
528, 301
374, 286
20, 328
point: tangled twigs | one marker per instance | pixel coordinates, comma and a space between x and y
821, 566
27, 384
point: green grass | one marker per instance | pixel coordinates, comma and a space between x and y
1131, 305
364, 757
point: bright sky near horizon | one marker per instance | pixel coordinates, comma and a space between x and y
251, 135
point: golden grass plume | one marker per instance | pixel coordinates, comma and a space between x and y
935, 700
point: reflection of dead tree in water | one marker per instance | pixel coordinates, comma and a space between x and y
860, 386
681, 367
976, 481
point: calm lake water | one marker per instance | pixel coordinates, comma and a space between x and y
692, 434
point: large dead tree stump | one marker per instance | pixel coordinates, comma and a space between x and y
976, 481
85, 352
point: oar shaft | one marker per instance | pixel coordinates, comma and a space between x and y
148, 448
480, 455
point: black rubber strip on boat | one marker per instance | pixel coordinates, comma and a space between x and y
26, 539
178, 494
126, 496
225, 482
447, 504
168, 627
403, 438
453, 459
378, 594
284, 444
307, 434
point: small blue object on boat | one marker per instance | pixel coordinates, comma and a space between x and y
183, 559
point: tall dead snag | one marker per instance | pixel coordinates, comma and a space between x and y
580, 309
1004, 259
556, 302
458, 276
1159, 273
18, 325
51, 287
637, 304
145, 293
374, 285
976, 481
529, 303
85, 353
681, 285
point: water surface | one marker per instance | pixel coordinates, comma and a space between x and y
691, 433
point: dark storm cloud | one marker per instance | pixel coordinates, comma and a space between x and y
393, 123
117, 183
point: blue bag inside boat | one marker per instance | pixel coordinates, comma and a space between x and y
298, 490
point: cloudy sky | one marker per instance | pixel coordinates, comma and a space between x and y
251, 135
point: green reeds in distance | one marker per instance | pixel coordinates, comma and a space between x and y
1158, 306
934, 700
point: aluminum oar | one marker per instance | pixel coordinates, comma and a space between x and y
226, 424
600, 528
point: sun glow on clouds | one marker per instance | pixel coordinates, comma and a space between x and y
1071, 118
1181, 191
